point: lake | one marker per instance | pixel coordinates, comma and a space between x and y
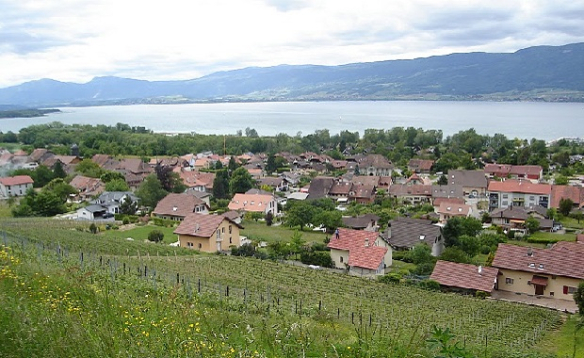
524, 120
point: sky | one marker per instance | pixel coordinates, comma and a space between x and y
77, 40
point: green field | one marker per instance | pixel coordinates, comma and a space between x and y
121, 298
261, 232
140, 233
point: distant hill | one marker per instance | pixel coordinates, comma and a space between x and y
554, 73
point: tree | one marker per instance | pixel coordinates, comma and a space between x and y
421, 253
60, 188
269, 218
469, 244
300, 214
93, 228
442, 180
221, 185
117, 185
578, 215
579, 298
48, 203
329, 219
163, 176
532, 224
241, 181
128, 206
297, 243
58, 171
150, 191
155, 236
459, 226
111, 175
89, 168
271, 165
566, 206
561, 180
454, 254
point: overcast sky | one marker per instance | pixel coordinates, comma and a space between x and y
76, 40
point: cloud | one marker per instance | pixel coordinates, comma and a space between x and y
76, 40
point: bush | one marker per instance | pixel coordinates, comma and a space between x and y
430, 285
163, 222
93, 228
155, 236
318, 258
401, 256
481, 294
541, 240
247, 250
424, 268
126, 220
392, 277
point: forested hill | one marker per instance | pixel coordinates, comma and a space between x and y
553, 73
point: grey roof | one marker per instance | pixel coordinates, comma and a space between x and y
95, 208
447, 191
320, 187
511, 212
538, 209
406, 233
360, 222
297, 196
114, 197
468, 178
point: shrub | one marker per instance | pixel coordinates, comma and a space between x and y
126, 220
481, 294
318, 258
93, 228
392, 277
424, 268
155, 236
430, 285
541, 240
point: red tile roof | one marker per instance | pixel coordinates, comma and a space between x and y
179, 205
565, 259
251, 202
16, 180
465, 276
201, 225
574, 193
454, 209
453, 201
520, 186
360, 255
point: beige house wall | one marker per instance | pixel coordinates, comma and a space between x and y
521, 279
340, 258
206, 244
388, 258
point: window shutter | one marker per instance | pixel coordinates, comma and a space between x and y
565, 290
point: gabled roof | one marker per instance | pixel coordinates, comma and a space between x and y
271, 181
320, 187
565, 259
526, 170
465, 276
360, 244
16, 180
371, 180
438, 201
376, 161
407, 232
574, 193
362, 191
468, 178
194, 178
341, 188
360, 222
520, 186
101, 159
251, 202
421, 164
202, 225
401, 190
454, 209
447, 191
516, 213
179, 205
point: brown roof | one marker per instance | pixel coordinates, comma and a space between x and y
468, 178
195, 178
179, 205
362, 191
16, 180
400, 190
564, 260
101, 159
520, 186
38, 154
371, 180
504, 169
320, 187
454, 201
201, 225
454, 209
421, 164
341, 188
574, 193
447, 191
526, 170
376, 161
87, 185
360, 255
465, 276
360, 222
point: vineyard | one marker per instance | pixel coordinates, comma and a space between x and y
252, 307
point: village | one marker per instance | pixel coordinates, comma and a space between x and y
508, 201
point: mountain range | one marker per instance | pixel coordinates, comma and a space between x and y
554, 73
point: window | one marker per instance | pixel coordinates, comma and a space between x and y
190, 244
509, 281
569, 290
230, 241
200, 246
230, 228
505, 196
223, 230
532, 198
551, 293
341, 259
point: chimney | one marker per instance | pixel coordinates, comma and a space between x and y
389, 230
366, 242
480, 270
529, 252
197, 227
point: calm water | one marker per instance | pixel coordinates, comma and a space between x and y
514, 119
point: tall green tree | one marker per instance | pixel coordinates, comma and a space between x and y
221, 185
458, 226
58, 171
241, 181
150, 191
566, 206
128, 206
117, 185
300, 214
532, 224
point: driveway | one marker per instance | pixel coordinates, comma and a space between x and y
540, 301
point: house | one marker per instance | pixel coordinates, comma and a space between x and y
375, 165
178, 206
94, 212
254, 203
465, 277
513, 218
554, 272
447, 191
362, 194
320, 187
518, 193
532, 172
196, 180
415, 179
15, 186
277, 184
572, 192
86, 187
449, 210
420, 165
414, 194
208, 233
113, 199
362, 252
367, 222
473, 182
405, 233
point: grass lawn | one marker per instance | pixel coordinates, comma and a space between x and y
553, 235
140, 233
5, 210
260, 231
572, 223
11, 146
